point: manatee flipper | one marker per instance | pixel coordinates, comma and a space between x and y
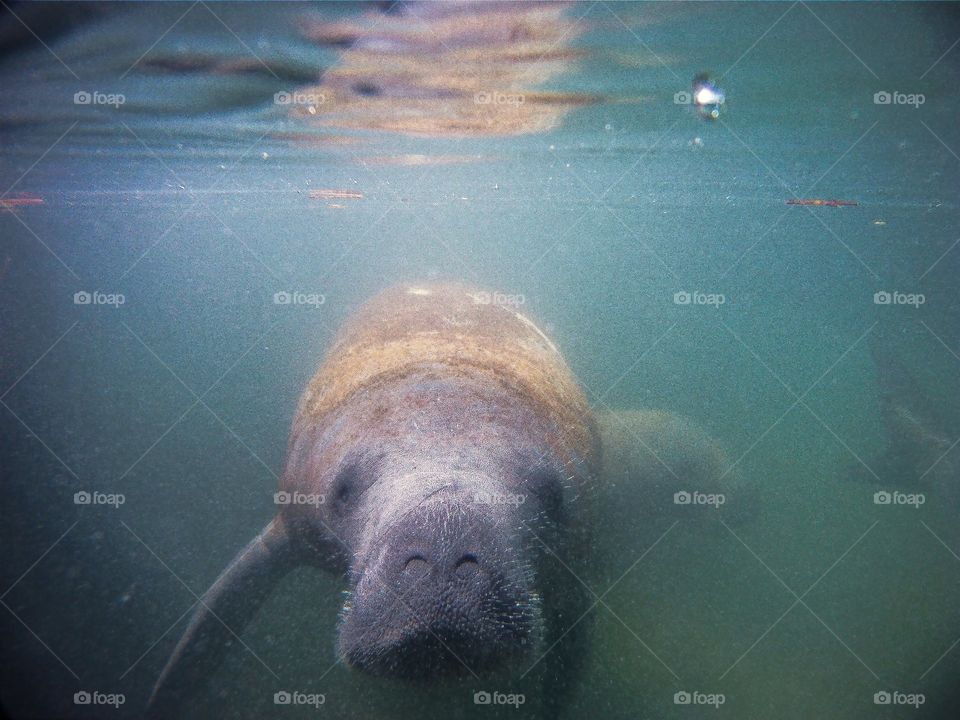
223, 610
920, 432
648, 456
903, 423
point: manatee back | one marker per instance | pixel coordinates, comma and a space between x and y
445, 331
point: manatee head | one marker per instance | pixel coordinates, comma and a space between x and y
442, 518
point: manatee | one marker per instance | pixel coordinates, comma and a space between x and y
445, 464
921, 430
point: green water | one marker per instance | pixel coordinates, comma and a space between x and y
192, 200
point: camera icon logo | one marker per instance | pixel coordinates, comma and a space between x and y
282, 698
681, 698
482, 98
82, 98
82, 298
81, 498
282, 98
882, 498
882, 698
281, 498
81, 698
882, 297
684, 97
682, 298
482, 697
681, 498
282, 298
882, 98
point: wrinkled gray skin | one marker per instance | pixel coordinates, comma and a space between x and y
436, 517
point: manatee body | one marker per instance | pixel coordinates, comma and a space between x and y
445, 431
443, 460
684, 472
921, 429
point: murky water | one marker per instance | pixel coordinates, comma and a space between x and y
172, 171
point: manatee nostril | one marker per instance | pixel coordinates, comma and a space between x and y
467, 566
416, 566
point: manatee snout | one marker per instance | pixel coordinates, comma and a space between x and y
443, 593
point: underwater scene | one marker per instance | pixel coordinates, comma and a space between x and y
393, 360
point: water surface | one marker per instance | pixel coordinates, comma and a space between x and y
201, 196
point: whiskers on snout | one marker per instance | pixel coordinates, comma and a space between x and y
441, 625
427, 652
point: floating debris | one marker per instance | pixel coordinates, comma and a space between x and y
331, 194
878, 221
22, 200
707, 97
826, 203
418, 160
317, 140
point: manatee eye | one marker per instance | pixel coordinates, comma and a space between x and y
544, 483
357, 472
345, 488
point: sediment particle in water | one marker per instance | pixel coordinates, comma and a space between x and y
817, 202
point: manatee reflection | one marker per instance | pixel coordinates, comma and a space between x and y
443, 70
